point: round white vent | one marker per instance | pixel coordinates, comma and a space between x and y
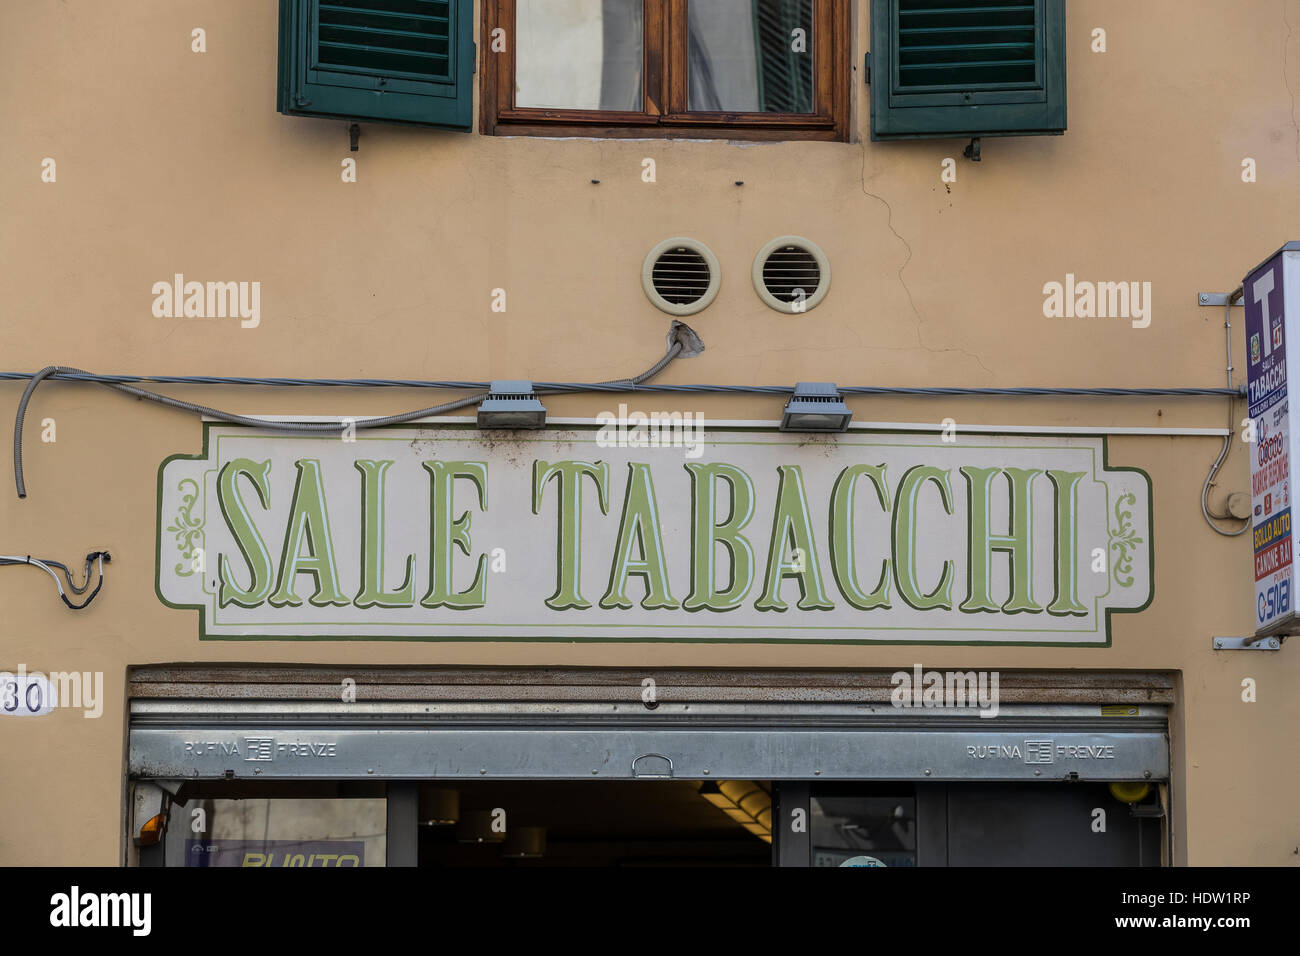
681, 276
792, 274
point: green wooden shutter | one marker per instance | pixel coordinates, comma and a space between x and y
397, 61
967, 68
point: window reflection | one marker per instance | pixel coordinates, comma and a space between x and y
277, 832
751, 56
579, 54
852, 830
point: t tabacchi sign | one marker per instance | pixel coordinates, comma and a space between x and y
445, 532
1272, 299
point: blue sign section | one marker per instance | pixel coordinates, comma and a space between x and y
1265, 336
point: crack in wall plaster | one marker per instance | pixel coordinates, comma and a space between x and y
903, 282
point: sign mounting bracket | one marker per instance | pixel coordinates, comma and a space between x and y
1266, 643
1219, 298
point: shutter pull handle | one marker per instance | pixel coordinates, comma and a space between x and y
653, 776
971, 152
354, 133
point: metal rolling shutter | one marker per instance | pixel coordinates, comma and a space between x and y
268, 723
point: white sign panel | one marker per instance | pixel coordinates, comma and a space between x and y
445, 532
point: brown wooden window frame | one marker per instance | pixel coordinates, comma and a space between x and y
665, 69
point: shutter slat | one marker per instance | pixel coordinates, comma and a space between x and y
412, 36
388, 61
918, 8
420, 9
383, 36
980, 44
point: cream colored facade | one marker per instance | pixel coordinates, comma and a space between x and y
170, 161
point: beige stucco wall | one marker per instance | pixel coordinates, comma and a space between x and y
170, 161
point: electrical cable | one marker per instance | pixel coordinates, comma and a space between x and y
1211, 517
67, 573
631, 385
48, 567
289, 427
637, 383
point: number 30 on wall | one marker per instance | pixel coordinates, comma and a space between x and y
25, 695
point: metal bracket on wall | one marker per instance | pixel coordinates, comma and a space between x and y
972, 150
1247, 643
354, 134
1218, 298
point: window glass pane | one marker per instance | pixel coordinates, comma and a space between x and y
750, 56
579, 54
863, 831
278, 832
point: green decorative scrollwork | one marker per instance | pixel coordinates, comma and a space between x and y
186, 527
1124, 540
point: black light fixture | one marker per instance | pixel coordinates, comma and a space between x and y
476, 826
524, 843
511, 404
816, 407
438, 806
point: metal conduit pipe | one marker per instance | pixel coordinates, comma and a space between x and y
290, 427
1210, 516
683, 343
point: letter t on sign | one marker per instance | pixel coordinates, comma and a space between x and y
1261, 289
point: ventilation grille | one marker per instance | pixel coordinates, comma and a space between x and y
791, 274
386, 36
966, 45
681, 276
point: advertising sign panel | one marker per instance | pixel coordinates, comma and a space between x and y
1272, 300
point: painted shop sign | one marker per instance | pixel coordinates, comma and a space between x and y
444, 532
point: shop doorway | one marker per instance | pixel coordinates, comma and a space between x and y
619, 824
599, 824
577, 767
